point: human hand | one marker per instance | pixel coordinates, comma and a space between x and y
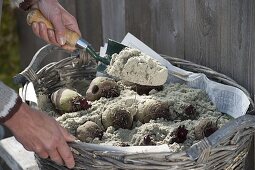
40, 133
60, 19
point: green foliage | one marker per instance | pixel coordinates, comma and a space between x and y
9, 53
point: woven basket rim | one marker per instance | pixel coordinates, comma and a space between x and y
195, 151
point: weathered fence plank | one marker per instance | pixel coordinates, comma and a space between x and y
113, 19
241, 34
225, 33
89, 19
218, 34
202, 41
138, 19
167, 23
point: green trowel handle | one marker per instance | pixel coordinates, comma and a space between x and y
92, 52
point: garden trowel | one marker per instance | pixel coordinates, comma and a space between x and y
74, 39
27, 92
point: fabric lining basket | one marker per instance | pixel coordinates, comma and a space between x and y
227, 148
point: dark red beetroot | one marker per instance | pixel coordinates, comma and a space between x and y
179, 135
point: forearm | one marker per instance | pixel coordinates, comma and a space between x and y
9, 102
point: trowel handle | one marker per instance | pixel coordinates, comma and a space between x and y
36, 16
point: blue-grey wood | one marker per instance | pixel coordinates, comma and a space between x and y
89, 19
138, 18
167, 22
113, 19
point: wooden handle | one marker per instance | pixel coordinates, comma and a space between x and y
36, 16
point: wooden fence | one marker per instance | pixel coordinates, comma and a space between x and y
219, 34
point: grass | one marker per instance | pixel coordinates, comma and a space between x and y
9, 46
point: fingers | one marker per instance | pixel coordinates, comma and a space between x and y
43, 154
68, 47
36, 29
64, 150
61, 20
52, 37
66, 154
67, 136
62, 153
58, 150
55, 156
47, 35
59, 27
43, 32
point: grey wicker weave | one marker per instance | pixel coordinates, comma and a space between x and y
225, 149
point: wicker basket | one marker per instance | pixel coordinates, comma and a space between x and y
227, 148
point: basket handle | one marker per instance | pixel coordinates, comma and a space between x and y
29, 73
